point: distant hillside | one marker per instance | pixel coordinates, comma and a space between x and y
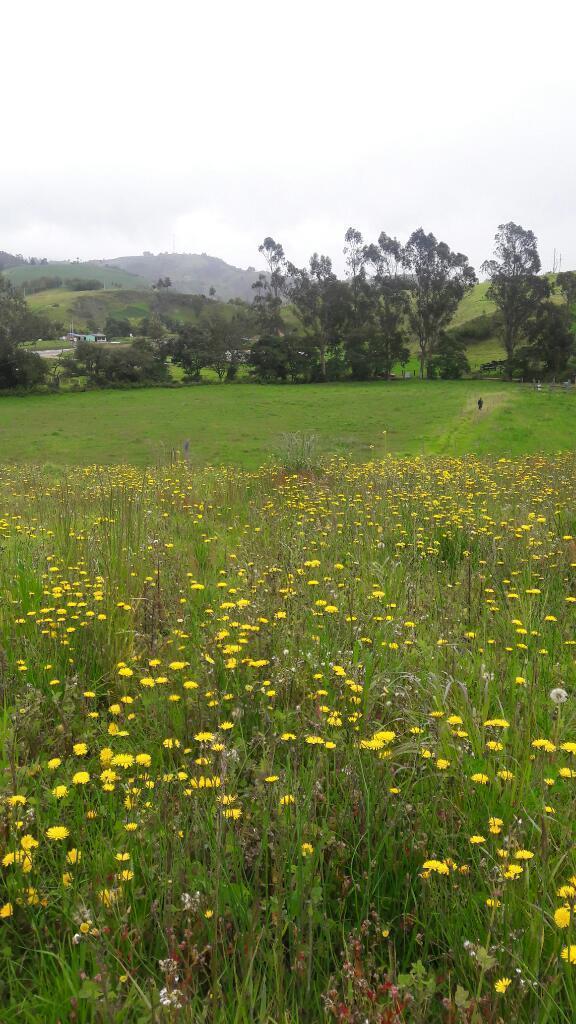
109, 276
91, 309
475, 303
192, 274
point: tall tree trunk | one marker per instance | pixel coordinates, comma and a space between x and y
323, 360
509, 346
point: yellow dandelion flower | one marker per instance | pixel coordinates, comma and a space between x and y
562, 917
57, 832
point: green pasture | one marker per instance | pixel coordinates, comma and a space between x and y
243, 424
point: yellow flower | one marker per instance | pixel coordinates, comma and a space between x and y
439, 866
107, 896
57, 832
122, 760
307, 849
476, 840
28, 842
569, 954
543, 744
562, 917
80, 778
502, 984
7, 910
514, 871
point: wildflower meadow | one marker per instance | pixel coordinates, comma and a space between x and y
289, 745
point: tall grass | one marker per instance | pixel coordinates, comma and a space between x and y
328, 720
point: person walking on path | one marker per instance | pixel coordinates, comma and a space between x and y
480, 404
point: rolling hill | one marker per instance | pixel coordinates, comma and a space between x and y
191, 273
83, 309
110, 277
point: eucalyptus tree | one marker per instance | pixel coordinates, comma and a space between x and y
322, 304
515, 288
270, 287
438, 278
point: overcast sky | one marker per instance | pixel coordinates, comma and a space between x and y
132, 125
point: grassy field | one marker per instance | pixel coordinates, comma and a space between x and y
288, 747
243, 424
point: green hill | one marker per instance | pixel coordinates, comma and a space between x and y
192, 273
110, 277
474, 304
63, 307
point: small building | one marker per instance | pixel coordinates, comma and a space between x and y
75, 337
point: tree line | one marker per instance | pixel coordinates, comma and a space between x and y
398, 294
306, 324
